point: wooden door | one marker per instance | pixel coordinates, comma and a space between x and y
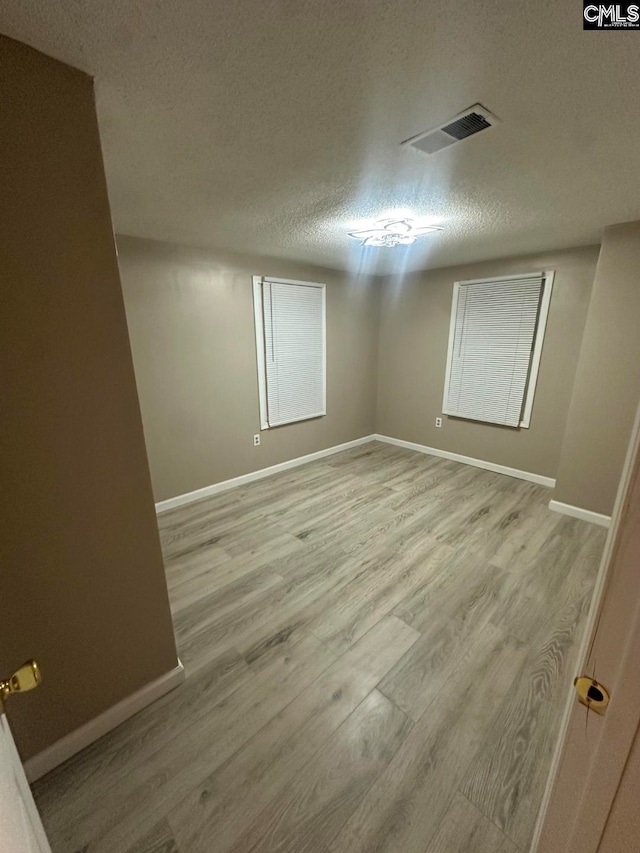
593, 750
21, 830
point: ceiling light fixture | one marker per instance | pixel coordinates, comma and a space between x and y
392, 232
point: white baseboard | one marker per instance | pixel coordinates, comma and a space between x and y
579, 512
469, 460
207, 491
72, 743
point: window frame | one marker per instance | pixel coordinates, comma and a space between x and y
258, 316
536, 356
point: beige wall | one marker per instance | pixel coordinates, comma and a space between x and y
414, 331
607, 386
190, 315
82, 585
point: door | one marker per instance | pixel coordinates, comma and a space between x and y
21, 830
595, 751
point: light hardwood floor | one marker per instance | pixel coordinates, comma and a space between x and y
377, 645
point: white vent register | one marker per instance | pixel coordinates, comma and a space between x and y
495, 346
465, 124
290, 320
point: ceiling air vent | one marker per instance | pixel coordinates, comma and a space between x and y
466, 124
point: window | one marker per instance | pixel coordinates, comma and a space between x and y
495, 343
290, 346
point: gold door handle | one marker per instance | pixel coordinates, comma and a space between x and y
591, 694
24, 678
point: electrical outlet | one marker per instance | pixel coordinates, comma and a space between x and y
438, 422
256, 440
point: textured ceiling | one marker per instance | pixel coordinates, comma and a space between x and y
273, 126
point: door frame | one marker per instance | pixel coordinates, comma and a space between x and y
593, 793
19, 817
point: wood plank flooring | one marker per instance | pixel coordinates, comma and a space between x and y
377, 645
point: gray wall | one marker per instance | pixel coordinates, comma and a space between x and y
190, 315
414, 330
82, 581
607, 386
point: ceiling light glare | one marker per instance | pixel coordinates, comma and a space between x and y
392, 232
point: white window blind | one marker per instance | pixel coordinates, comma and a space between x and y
290, 340
495, 343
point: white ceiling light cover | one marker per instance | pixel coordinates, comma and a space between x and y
392, 232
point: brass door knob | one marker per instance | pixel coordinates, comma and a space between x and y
23, 679
591, 694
